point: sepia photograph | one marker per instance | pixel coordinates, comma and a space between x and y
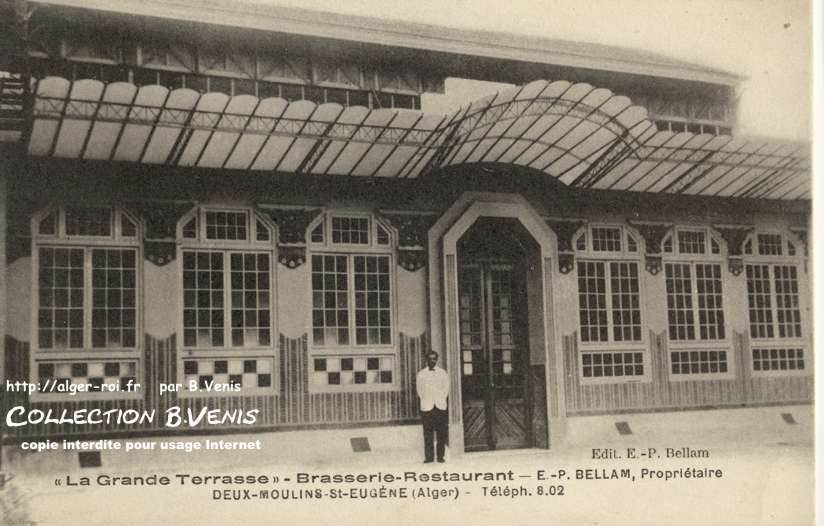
367, 262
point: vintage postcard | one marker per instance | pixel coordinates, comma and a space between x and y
312, 262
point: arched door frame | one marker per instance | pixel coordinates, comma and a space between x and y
443, 293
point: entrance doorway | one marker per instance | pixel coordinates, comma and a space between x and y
494, 341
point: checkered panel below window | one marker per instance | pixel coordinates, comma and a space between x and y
778, 359
699, 362
249, 373
608, 364
116, 375
352, 370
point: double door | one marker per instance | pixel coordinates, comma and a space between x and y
494, 356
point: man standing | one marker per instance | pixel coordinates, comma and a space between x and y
432, 385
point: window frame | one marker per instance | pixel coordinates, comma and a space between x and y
87, 353
624, 255
776, 342
350, 251
250, 245
676, 257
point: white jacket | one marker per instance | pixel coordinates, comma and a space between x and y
432, 387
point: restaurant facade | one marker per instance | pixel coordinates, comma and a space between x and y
206, 193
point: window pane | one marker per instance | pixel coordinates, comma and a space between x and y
113, 298
699, 362
770, 244
680, 318
60, 313
760, 301
226, 225
592, 301
787, 305
710, 307
606, 239
203, 299
778, 359
612, 364
330, 300
626, 302
372, 305
251, 325
691, 242
350, 230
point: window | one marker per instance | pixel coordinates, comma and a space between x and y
609, 305
226, 265
691, 241
208, 279
773, 298
774, 289
694, 301
87, 269
352, 302
350, 230
336, 280
606, 239
609, 301
696, 327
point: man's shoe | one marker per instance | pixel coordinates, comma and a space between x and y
441, 460
427, 461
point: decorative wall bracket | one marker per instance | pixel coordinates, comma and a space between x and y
412, 238
160, 252
291, 256
734, 236
653, 234
566, 262
412, 228
411, 259
564, 230
292, 224
801, 234
160, 218
735, 265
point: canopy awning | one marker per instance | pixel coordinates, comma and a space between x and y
584, 136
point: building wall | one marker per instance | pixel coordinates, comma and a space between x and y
292, 401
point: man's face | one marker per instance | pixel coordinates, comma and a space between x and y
431, 360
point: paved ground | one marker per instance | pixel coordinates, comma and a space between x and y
767, 479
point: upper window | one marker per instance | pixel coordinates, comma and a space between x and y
691, 242
606, 238
75, 222
225, 225
770, 244
351, 281
226, 260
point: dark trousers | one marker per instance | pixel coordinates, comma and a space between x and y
435, 427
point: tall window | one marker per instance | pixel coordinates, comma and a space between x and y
774, 288
87, 271
352, 298
609, 303
227, 297
695, 304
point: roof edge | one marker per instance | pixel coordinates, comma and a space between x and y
496, 45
